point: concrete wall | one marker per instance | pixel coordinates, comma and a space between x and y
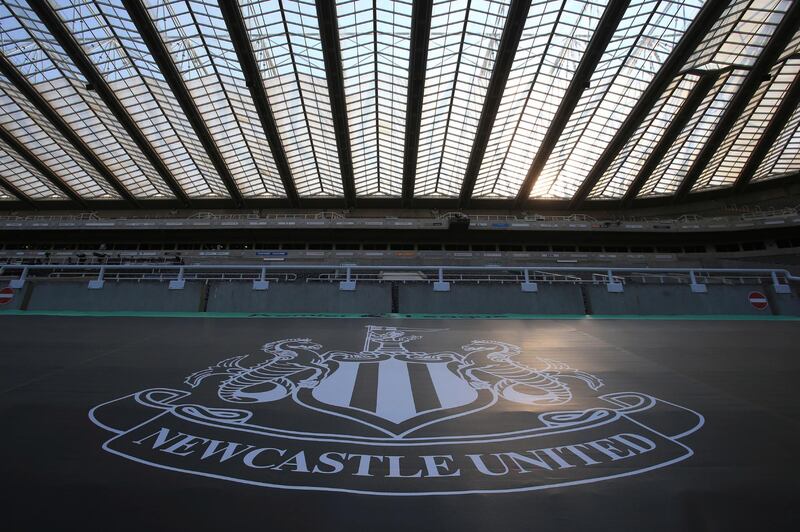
413, 298
784, 304
300, 297
123, 295
490, 299
673, 299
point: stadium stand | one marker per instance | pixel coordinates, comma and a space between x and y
429, 265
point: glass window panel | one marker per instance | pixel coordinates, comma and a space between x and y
735, 40
39, 136
6, 195
727, 162
45, 66
25, 177
200, 46
285, 38
461, 54
628, 163
645, 37
108, 37
374, 37
792, 48
553, 42
740, 34
670, 172
783, 157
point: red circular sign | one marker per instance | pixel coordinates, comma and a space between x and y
6, 295
758, 300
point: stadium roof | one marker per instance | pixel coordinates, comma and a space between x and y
297, 101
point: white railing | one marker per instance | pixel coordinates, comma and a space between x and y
524, 218
438, 275
473, 278
606, 278
172, 275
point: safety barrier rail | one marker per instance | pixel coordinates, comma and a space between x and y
440, 276
156, 275
514, 218
476, 278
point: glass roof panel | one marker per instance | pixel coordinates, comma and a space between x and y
669, 173
196, 36
555, 37
461, 54
43, 141
374, 37
285, 38
25, 177
46, 68
739, 35
374, 40
644, 38
792, 48
742, 31
107, 36
730, 158
783, 157
629, 161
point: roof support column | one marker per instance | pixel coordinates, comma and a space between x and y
332, 55
421, 13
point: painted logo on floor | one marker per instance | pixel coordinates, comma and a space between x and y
394, 419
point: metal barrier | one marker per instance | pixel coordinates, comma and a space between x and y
173, 275
441, 276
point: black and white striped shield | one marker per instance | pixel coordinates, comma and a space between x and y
393, 389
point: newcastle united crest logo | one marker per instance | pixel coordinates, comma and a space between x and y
395, 419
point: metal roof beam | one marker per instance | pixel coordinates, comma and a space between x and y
509, 41
780, 118
679, 121
421, 13
594, 51
53, 117
332, 55
758, 73
162, 57
56, 27
699, 28
34, 161
244, 52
